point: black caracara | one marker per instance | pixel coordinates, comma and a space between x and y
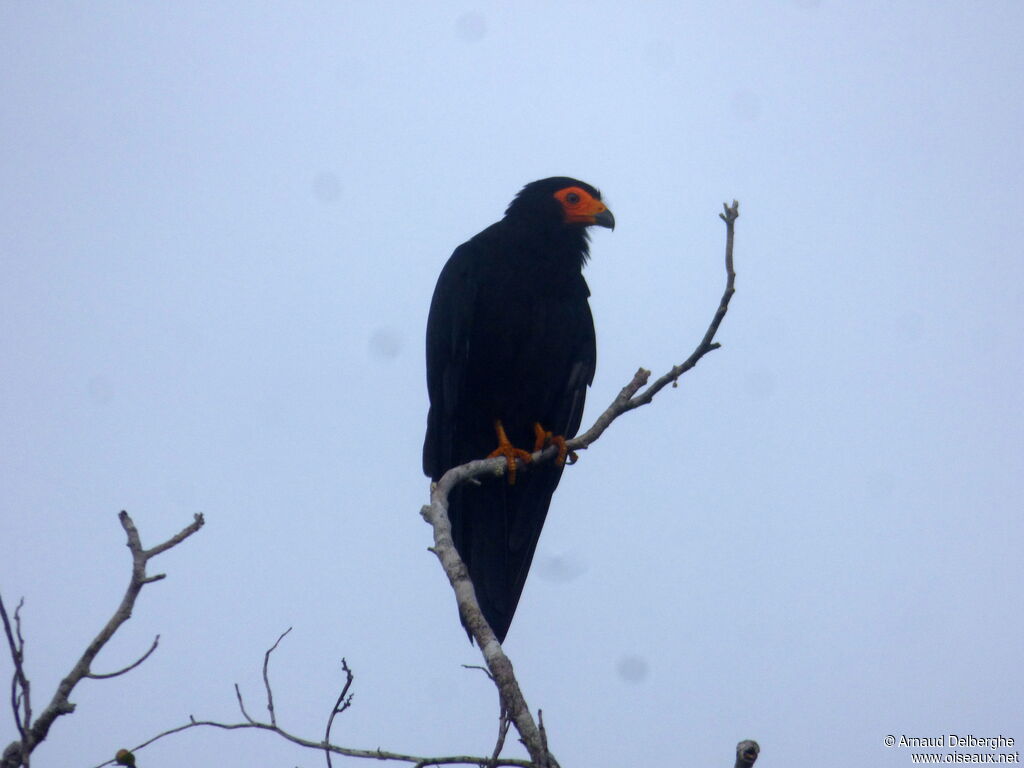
510, 354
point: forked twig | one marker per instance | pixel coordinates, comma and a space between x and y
342, 703
21, 700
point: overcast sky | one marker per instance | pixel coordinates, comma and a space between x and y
220, 227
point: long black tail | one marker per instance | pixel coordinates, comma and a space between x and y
496, 527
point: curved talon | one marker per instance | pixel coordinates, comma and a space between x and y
563, 449
542, 436
509, 452
545, 438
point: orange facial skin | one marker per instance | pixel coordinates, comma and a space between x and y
580, 207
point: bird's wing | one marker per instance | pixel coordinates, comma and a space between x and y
448, 337
582, 373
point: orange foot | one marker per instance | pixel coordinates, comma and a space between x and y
545, 438
509, 451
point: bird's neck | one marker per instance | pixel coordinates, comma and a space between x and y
565, 248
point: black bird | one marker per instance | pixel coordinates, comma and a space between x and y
510, 354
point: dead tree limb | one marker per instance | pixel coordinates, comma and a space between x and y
340, 705
436, 513
34, 732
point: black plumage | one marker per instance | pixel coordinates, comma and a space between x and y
510, 338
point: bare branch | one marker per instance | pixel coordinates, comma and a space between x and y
482, 669
21, 702
177, 538
627, 399
129, 668
266, 678
436, 513
17, 753
371, 754
344, 702
544, 737
503, 724
498, 664
707, 344
241, 706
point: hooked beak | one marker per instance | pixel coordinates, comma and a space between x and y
605, 219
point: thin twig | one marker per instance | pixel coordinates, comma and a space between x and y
344, 702
628, 399
241, 706
130, 667
266, 677
542, 730
21, 701
26, 693
482, 669
503, 724
707, 344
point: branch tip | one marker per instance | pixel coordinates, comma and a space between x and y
266, 675
731, 212
130, 667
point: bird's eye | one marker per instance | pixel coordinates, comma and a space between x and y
572, 198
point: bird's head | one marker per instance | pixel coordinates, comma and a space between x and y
561, 202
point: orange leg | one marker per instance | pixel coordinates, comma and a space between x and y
545, 438
509, 451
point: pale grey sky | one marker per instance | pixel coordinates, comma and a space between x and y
220, 227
